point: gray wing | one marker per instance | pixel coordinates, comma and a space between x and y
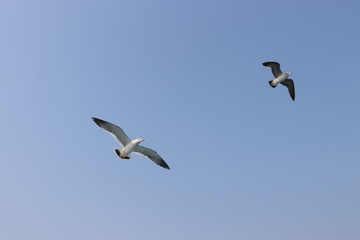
289, 83
114, 130
275, 68
151, 154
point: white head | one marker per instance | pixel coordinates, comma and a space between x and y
139, 140
289, 73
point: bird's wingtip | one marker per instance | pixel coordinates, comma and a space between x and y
268, 64
164, 165
98, 121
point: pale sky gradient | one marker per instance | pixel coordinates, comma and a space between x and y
246, 161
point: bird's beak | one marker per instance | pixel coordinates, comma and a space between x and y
142, 140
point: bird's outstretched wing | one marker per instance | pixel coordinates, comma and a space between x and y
114, 130
152, 155
275, 68
289, 83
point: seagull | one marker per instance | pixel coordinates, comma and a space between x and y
281, 77
129, 146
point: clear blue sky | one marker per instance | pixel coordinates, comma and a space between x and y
246, 161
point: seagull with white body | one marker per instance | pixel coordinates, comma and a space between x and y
281, 77
130, 146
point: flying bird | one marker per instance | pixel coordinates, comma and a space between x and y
281, 77
130, 146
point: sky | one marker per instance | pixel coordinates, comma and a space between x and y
246, 161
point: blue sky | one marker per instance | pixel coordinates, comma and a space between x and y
246, 161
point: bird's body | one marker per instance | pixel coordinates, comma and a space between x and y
130, 146
124, 153
281, 77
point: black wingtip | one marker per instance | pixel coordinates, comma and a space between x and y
268, 64
164, 165
292, 95
117, 152
98, 121
95, 119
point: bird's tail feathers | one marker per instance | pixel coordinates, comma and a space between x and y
119, 154
271, 84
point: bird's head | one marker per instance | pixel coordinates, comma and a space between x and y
139, 140
289, 73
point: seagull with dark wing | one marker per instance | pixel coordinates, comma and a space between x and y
130, 146
281, 77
